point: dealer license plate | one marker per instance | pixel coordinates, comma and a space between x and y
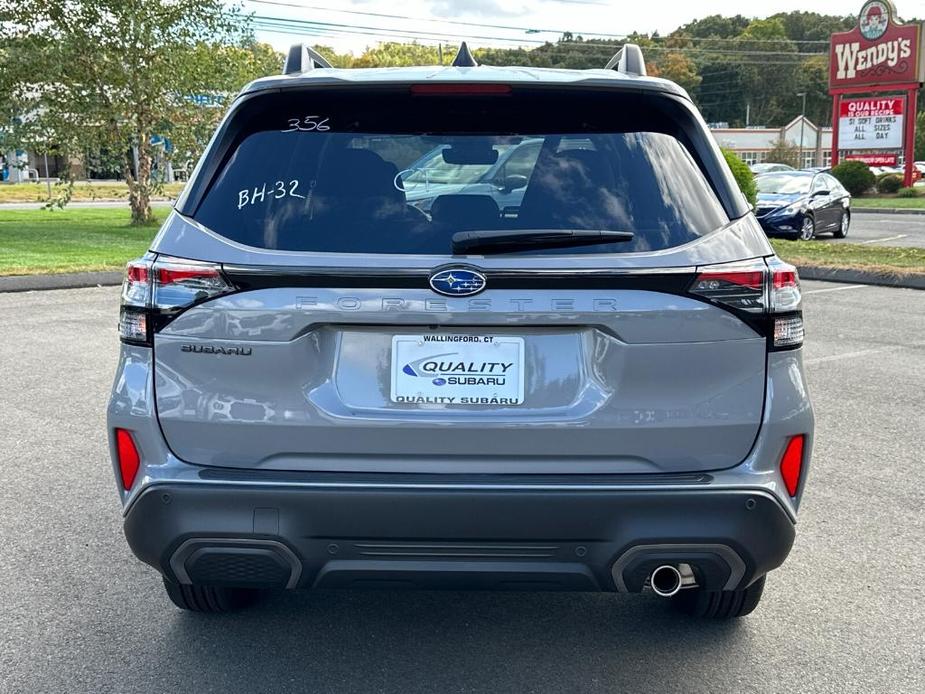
468, 370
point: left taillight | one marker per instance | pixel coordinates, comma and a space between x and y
155, 291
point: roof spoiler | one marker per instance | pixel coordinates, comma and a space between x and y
302, 58
628, 60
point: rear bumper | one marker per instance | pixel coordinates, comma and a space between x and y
542, 538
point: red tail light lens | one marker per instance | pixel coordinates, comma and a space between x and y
129, 460
156, 291
770, 287
737, 285
791, 464
785, 287
136, 284
180, 283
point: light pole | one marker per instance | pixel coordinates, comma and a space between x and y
802, 126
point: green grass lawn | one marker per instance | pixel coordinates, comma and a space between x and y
53, 241
84, 239
891, 260
900, 203
38, 192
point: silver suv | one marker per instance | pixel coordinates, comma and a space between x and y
597, 386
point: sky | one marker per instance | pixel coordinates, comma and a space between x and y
351, 25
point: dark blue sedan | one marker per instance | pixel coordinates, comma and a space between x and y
801, 204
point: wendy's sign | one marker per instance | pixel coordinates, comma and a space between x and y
878, 51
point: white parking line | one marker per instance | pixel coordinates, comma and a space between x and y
862, 353
836, 289
850, 355
888, 238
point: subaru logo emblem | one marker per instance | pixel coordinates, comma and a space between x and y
457, 281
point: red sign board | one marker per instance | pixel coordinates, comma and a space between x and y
875, 159
878, 51
873, 107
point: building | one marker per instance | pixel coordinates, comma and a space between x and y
753, 143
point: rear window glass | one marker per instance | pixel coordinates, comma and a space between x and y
395, 173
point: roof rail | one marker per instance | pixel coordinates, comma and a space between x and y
628, 60
302, 58
464, 57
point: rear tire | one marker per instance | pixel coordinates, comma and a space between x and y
209, 598
843, 223
719, 604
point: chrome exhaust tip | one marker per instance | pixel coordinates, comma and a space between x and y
665, 580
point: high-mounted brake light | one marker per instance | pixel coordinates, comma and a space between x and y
129, 460
156, 291
791, 464
460, 89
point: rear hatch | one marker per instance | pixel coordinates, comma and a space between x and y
353, 329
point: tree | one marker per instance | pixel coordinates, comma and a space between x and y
784, 152
920, 136
402, 54
768, 79
678, 68
104, 78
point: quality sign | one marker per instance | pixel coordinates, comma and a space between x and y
873, 123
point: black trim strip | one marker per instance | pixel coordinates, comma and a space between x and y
257, 277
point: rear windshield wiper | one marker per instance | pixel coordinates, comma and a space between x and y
507, 240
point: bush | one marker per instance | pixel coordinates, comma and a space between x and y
907, 193
889, 183
743, 176
855, 175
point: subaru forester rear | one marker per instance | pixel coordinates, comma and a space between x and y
582, 374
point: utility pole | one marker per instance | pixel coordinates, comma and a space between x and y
748, 112
440, 52
802, 126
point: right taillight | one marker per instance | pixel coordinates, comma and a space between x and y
765, 293
156, 290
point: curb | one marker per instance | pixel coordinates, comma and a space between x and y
848, 276
855, 209
72, 280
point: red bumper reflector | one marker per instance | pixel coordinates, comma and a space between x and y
128, 458
791, 464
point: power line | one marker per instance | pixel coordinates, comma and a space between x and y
364, 30
509, 27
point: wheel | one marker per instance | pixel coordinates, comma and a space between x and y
208, 598
719, 604
807, 229
842, 230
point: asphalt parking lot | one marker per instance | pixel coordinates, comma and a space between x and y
845, 614
884, 230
